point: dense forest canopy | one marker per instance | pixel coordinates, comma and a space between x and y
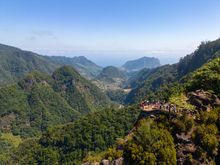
40, 100
64, 118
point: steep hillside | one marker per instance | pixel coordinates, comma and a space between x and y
187, 133
79, 92
70, 143
137, 78
205, 52
164, 75
111, 80
154, 79
39, 101
207, 77
141, 63
111, 74
84, 66
15, 63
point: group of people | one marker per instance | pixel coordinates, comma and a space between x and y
170, 107
158, 105
153, 104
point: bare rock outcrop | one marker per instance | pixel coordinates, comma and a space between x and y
119, 161
203, 100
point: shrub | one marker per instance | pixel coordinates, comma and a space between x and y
150, 145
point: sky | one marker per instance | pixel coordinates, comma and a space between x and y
110, 32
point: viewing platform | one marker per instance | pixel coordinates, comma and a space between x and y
152, 109
149, 108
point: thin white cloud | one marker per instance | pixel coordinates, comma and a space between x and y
38, 35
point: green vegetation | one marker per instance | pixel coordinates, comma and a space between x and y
110, 74
154, 80
206, 135
191, 125
8, 143
68, 122
110, 154
117, 96
39, 101
207, 77
150, 145
84, 66
79, 92
15, 63
70, 143
165, 75
180, 100
205, 52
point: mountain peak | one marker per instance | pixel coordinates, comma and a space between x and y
141, 63
84, 66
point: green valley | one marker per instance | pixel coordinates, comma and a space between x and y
64, 118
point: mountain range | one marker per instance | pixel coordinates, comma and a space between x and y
84, 66
39, 101
15, 63
190, 134
149, 82
54, 115
111, 74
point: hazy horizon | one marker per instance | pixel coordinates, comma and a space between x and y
109, 59
110, 32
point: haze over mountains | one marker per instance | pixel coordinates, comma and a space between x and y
70, 107
109, 82
141, 63
86, 67
15, 63
57, 115
150, 81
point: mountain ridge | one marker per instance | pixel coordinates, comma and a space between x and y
110, 73
15, 63
141, 63
40, 100
166, 74
85, 66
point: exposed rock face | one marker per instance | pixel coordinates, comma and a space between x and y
88, 163
138, 64
105, 162
203, 100
119, 161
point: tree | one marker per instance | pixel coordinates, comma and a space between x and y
150, 145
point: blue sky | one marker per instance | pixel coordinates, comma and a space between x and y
110, 31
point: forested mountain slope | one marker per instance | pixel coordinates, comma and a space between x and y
187, 134
156, 78
15, 63
111, 74
79, 92
165, 138
84, 66
70, 143
39, 101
